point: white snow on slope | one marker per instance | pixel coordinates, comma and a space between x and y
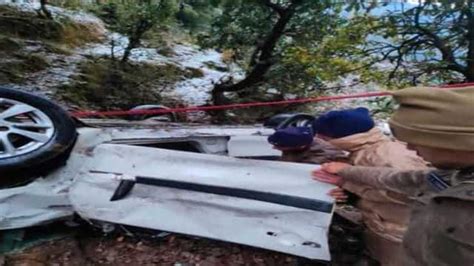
193, 91
196, 90
57, 12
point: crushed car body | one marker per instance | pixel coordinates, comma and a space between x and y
266, 204
259, 203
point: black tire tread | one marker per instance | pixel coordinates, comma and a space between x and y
40, 161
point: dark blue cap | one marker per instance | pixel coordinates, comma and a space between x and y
342, 123
292, 137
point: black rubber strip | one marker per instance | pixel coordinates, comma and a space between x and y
286, 200
124, 187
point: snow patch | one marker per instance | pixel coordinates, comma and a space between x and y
57, 12
194, 91
120, 42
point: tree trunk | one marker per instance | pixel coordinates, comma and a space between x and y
127, 52
44, 11
134, 39
265, 56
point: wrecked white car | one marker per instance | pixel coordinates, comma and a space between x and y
207, 181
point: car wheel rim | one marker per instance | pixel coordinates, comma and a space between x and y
23, 128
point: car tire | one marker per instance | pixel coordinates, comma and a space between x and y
36, 136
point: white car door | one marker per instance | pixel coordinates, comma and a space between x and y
272, 205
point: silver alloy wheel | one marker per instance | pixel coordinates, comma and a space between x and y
23, 128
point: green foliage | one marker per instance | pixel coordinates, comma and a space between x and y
239, 27
382, 107
71, 4
432, 42
339, 53
130, 13
318, 45
196, 15
135, 18
124, 16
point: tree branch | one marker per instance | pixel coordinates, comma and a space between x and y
276, 7
438, 42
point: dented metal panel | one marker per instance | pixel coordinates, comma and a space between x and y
246, 221
97, 168
46, 199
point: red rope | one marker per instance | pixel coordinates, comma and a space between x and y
82, 114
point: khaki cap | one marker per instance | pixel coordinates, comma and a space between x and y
435, 117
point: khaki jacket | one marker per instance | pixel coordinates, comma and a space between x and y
373, 148
385, 213
441, 231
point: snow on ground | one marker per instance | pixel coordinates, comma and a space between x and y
141, 54
194, 91
77, 16
62, 66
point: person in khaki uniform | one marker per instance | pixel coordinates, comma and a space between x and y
439, 125
354, 131
385, 213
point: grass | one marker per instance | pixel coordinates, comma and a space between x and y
74, 35
105, 84
192, 72
16, 68
8, 45
57, 48
15, 64
22, 24
29, 25
17, 27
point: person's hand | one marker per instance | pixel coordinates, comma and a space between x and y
334, 167
338, 194
325, 177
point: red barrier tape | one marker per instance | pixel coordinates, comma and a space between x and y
82, 114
